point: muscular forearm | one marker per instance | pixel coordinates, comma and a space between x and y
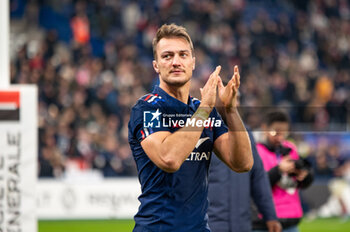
176, 147
238, 141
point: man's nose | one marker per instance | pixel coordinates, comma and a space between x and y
176, 60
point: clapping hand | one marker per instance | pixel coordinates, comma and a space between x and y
228, 93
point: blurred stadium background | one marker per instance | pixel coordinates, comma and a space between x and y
91, 61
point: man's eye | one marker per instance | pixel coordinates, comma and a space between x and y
166, 56
183, 54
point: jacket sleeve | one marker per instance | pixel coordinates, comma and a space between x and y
260, 187
218, 194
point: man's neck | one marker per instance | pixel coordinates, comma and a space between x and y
180, 93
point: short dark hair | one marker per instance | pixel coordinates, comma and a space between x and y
276, 116
168, 31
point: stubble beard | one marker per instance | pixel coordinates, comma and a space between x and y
176, 82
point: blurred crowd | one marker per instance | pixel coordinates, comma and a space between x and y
92, 60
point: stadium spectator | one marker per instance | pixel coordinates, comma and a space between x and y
80, 25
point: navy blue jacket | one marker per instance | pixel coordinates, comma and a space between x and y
230, 195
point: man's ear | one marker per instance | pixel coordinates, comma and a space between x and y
194, 63
155, 66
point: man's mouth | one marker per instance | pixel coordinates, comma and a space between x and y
176, 71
